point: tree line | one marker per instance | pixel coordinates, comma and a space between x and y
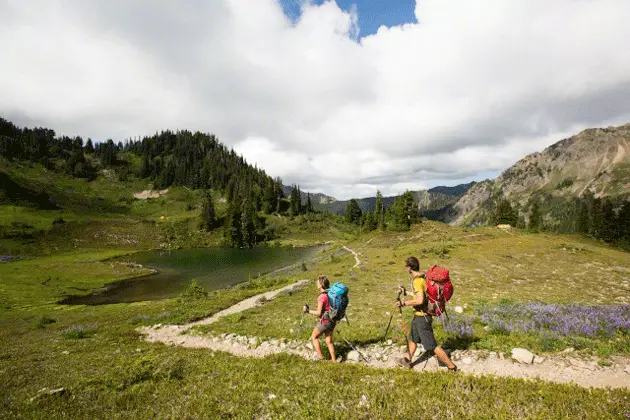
397, 217
168, 158
605, 218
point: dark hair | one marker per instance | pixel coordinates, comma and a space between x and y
413, 263
323, 280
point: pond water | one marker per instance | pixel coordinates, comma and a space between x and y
214, 268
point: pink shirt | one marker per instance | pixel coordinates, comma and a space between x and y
323, 298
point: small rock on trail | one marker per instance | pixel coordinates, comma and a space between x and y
523, 356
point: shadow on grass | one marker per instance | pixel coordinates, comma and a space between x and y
459, 343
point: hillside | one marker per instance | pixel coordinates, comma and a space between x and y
594, 161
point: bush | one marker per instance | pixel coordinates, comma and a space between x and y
194, 292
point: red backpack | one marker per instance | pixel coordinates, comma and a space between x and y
439, 289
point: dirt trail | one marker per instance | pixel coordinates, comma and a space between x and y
562, 368
356, 256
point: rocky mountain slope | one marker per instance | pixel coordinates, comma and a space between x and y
596, 160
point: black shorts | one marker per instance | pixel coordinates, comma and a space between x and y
422, 332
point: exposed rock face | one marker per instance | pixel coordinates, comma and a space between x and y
595, 160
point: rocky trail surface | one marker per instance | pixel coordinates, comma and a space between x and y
566, 367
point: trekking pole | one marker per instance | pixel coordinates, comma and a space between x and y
354, 348
391, 317
402, 318
300, 326
388, 325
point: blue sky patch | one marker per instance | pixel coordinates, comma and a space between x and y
372, 13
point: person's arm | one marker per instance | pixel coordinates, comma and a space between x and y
419, 300
320, 308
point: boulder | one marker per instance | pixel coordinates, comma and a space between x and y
567, 350
523, 356
459, 309
353, 356
539, 359
467, 360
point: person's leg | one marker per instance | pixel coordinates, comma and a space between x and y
315, 338
427, 337
412, 349
329, 343
443, 357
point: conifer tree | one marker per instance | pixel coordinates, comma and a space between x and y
369, 221
534, 217
504, 213
208, 215
380, 211
89, 147
248, 227
353, 212
233, 230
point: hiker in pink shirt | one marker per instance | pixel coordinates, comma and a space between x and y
325, 325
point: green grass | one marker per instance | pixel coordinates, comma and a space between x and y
107, 371
487, 266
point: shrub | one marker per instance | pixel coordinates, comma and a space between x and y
194, 292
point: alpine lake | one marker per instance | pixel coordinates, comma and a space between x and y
213, 268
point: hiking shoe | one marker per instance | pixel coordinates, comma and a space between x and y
404, 362
453, 369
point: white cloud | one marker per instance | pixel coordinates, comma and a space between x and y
469, 89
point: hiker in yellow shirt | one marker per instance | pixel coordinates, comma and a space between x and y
421, 326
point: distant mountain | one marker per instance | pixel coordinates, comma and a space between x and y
434, 203
596, 160
316, 198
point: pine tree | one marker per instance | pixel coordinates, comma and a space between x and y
410, 209
504, 214
369, 221
295, 201
623, 222
609, 223
233, 229
89, 147
583, 221
248, 226
269, 198
208, 215
534, 217
380, 211
353, 212
309, 204
398, 217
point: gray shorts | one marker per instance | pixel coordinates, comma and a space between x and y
422, 332
326, 328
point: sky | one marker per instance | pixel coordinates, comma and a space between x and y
341, 98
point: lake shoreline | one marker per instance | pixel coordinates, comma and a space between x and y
97, 297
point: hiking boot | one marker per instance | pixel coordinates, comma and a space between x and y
404, 362
453, 369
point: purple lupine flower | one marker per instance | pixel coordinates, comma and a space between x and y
566, 320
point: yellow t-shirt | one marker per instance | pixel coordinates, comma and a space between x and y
420, 286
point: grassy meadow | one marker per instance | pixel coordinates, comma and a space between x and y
107, 371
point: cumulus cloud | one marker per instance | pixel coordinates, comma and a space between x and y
467, 91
